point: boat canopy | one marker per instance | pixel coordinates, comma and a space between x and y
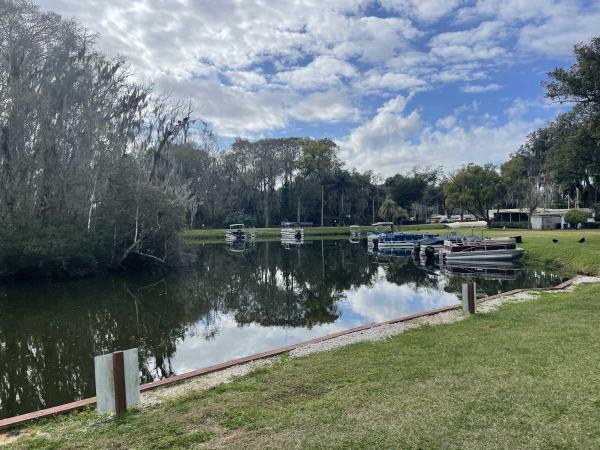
382, 224
438, 240
236, 225
478, 224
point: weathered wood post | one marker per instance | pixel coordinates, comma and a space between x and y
117, 381
468, 297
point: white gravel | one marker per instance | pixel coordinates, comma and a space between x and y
201, 383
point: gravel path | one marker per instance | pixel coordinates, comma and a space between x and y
201, 383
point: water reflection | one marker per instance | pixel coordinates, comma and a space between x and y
234, 302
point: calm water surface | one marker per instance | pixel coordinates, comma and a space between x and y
230, 304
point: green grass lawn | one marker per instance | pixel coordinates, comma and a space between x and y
525, 376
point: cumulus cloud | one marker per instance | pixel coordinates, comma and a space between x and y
396, 140
330, 106
426, 10
481, 42
480, 88
255, 68
323, 71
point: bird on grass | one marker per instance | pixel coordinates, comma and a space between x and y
555, 240
582, 240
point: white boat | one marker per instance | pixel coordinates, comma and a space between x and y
239, 233
355, 234
468, 250
292, 232
379, 239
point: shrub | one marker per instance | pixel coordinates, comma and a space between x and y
575, 216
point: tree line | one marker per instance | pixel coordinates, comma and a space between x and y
100, 171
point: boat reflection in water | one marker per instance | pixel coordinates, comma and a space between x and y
494, 270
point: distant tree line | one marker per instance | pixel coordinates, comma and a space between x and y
99, 171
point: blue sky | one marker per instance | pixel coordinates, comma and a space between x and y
397, 83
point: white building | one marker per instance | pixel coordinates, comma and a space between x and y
541, 219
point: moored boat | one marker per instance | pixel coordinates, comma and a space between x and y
238, 233
432, 246
393, 239
468, 250
292, 232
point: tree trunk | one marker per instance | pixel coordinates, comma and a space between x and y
322, 202
342, 210
266, 207
373, 206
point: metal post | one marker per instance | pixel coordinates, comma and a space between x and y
119, 383
468, 297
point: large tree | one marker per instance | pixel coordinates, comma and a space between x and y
475, 189
319, 162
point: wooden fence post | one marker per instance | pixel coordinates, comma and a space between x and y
471, 297
119, 383
468, 297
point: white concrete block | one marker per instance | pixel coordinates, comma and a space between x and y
105, 389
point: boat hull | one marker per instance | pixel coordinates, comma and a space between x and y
483, 255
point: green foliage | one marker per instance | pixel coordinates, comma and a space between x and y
580, 82
65, 251
319, 158
240, 217
390, 211
475, 189
408, 189
575, 216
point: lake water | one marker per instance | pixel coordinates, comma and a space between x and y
229, 304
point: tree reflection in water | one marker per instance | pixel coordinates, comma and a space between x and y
50, 332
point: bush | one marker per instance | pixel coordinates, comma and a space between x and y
575, 216
57, 252
240, 217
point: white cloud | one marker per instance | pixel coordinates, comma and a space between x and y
389, 81
559, 33
481, 42
246, 79
330, 106
426, 10
395, 141
446, 122
323, 71
480, 88
256, 67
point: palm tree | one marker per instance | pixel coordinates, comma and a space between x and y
390, 211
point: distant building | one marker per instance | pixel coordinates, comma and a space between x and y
541, 219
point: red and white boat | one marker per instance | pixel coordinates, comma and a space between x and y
496, 249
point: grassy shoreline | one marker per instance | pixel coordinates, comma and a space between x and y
430, 387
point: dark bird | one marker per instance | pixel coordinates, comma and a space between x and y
555, 240
582, 240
